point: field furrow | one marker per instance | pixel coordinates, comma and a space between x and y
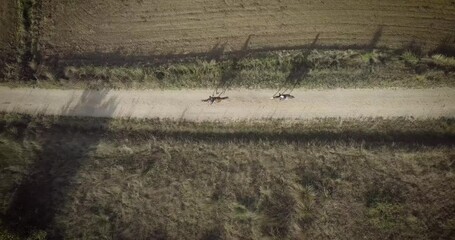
183, 26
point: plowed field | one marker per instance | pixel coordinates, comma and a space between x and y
8, 26
162, 27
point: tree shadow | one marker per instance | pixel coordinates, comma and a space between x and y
413, 47
52, 174
217, 51
91, 103
231, 71
300, 67
376, 38
446, 47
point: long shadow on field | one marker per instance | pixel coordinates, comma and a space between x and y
373, 138
446, 47
375, 131
51, 176
300, 67
217, 52
230, 72
376, 38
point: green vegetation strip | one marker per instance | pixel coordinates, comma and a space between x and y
87, 178
279, 69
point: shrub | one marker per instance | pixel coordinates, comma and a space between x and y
410, 58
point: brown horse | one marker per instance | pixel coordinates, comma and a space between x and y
213, 99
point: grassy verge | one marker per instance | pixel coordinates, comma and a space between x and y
309, 68
300, 68
148, 179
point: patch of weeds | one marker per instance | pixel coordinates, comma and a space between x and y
335, 59
217, 233
442, 61
250, 202
285, 210
321, 179
14, 162
7, 234
393, 221
319, 68
242, 214
9, 71
421, 78
385, 192
11, 153
410, 58
386, 216
371, 57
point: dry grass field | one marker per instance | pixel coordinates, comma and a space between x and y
174, 27
84, 178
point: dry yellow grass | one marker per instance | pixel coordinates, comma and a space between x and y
134, 179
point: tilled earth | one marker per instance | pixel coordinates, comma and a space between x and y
89, 29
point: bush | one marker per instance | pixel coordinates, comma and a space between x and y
410, 58
443, 61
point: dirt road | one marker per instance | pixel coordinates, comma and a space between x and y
242, 104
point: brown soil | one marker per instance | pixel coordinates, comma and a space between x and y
181, 27
8, 27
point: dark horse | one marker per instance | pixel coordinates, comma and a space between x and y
213, 99
283, 96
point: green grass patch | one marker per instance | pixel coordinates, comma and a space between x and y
410, 58
299, 68
394, 220
443, 61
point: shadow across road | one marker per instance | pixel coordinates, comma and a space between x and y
51, 176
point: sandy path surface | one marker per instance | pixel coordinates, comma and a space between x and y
242, 104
